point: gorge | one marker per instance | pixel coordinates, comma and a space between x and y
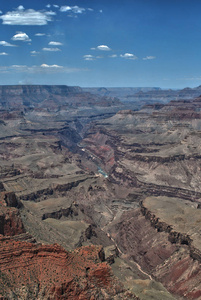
100, 195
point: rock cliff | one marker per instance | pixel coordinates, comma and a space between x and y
35, 271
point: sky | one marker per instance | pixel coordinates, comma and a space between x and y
107, 43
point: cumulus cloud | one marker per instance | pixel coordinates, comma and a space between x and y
43, 68
113, 55
26, 17
88, 57
3, 53
65, 8
103, 48
128, 56
75, 9
50, 66
21, 7
149, 57
55, 43
56, 6
51, 49
21, 36
6, 44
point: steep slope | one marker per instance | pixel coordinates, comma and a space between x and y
34, 271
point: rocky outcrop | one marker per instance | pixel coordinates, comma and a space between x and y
2, 187
136, 237
49, 272
181, 275
174, 236
182, 224
72, 211
10, 221
34, 271
56, 188
163, 253
8, 171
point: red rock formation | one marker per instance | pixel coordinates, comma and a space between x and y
50, 272
35, 271
10, 221
99, 146
139, 240
181, 275
148, 242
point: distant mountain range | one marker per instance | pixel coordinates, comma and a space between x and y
146, 93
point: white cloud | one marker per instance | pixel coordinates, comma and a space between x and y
88, 57
113, 55
48, 5
5, 44
90, 9
3, 53
50, 13
51, 49
26, 17
21, 7
75, 9
55, 43
34, 52
21, 36
50, 66
1, 12
65, 8
103, 48
128, 56
56, 6
149, 57
43, 68
93, 48
100, 10
40, 34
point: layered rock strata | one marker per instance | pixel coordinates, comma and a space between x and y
35, 271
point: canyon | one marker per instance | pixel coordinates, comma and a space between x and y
100, 195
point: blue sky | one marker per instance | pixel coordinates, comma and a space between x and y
111, 43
